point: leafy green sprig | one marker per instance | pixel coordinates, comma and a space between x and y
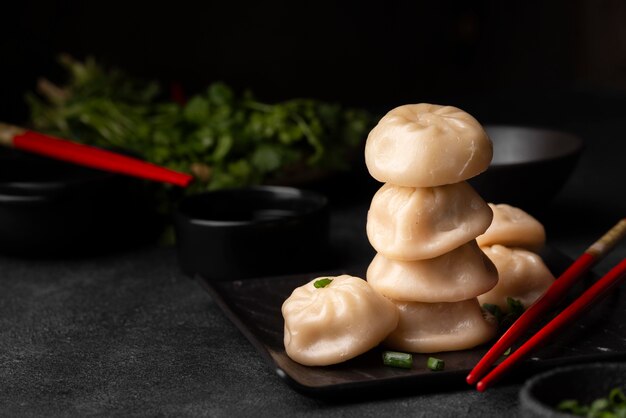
225, 140
505, 318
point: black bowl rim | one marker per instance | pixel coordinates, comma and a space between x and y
17, 190
18, 199
85, 176
577, 147
318, 202
528, 401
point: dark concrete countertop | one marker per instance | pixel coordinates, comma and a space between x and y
129, 334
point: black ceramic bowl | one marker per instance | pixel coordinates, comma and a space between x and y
252, 232
49, 208
584, 382
529, 165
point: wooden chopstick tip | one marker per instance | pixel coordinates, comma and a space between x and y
8, 132
608, 240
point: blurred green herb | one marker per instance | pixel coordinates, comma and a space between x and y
612, 406
223, 139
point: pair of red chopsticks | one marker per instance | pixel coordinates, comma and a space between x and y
555, 292
61, 149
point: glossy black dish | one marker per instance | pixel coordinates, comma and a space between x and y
583, 382
254, 306
251, 232
529, 166
50, 208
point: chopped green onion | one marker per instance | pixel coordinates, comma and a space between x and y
397, 359
435, 364
322, 283
507, 352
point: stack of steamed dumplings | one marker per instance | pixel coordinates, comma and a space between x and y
424, 222
436, 249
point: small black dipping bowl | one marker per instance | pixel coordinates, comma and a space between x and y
584, 383
529, 165
53, 209
252, 232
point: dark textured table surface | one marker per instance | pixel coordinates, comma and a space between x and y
129, 334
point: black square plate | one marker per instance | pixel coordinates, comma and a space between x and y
254, 306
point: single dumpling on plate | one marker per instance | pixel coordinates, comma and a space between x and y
522, 275
435, 327
336, 322
461, 274
408, 223
427, 145
513, 227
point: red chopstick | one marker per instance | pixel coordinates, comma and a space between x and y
594, 294
555, 292
88, 156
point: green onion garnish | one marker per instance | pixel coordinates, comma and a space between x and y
515, 306
322, 283
494, 310
507, 352
505, 320
435, 364
397, 359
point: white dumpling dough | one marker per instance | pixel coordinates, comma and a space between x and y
426, 145
406, 223
523, 276
435, 327
512, 227
461, 274
337, 322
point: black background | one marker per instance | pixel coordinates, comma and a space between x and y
372, 54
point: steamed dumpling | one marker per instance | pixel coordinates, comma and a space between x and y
512, 227
406, 223
335, 323
523, 276
426, 145
461, 274
434, 327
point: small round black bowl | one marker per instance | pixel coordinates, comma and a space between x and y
252, 232
53, 209
529, 166
585, 383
